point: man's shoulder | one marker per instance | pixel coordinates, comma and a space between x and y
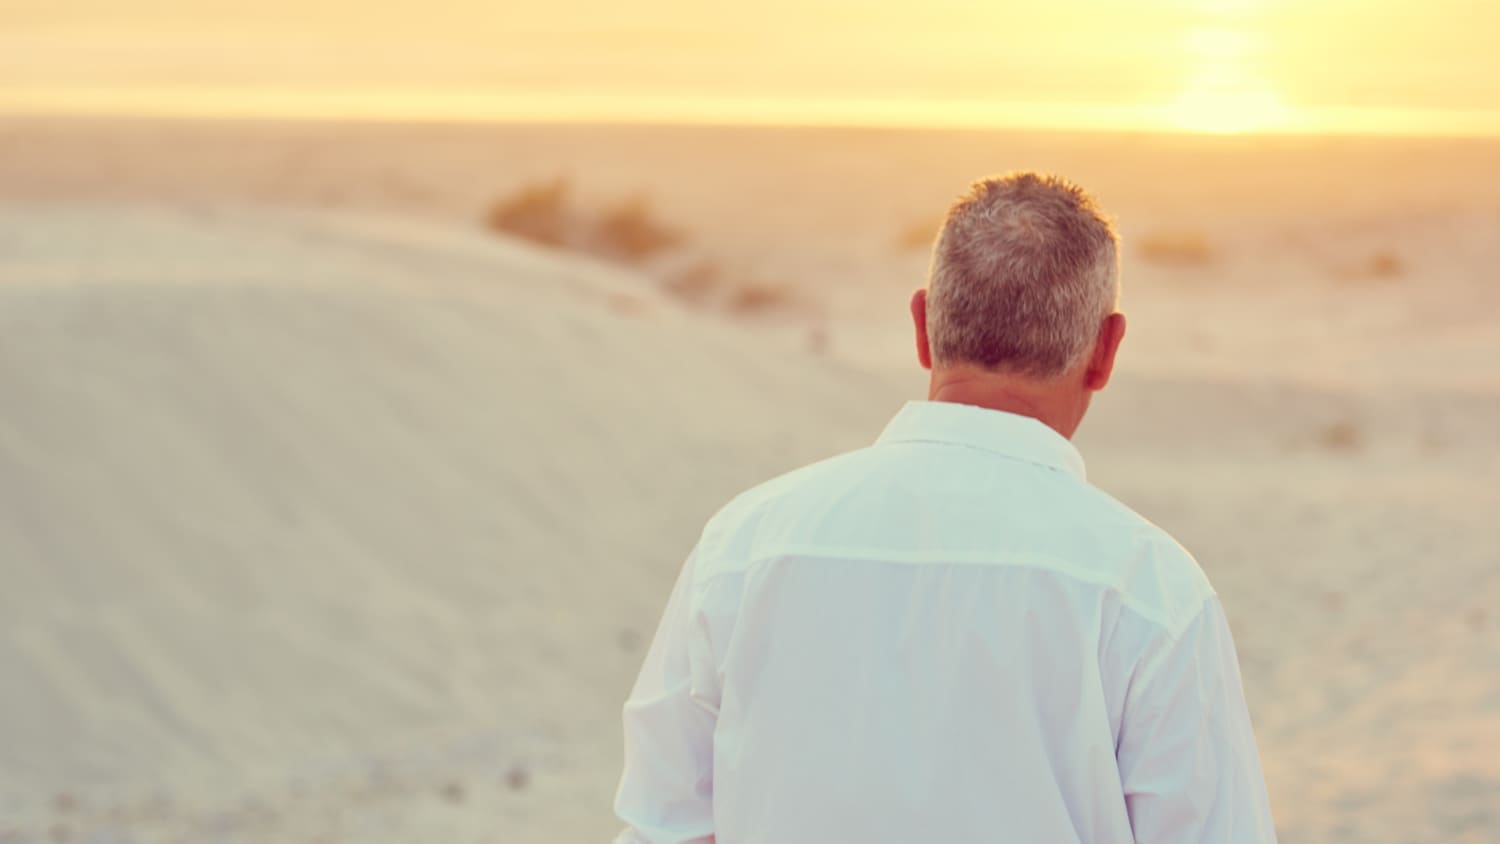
1155, 575
733, 525
801, 479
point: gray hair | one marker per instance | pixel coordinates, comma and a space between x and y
1024, 271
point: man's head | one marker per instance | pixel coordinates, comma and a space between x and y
1020, 304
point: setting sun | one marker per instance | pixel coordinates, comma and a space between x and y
1228, 112
1226, 91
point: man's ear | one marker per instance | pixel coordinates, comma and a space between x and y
919, 320
1102, 361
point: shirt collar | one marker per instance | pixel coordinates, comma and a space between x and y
1007, 434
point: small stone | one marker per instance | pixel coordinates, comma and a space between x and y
628, 640
817, 340
517, 778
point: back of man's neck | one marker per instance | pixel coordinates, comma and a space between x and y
995, 391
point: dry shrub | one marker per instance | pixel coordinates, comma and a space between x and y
631, 231
544, 213
1340, 436
1385, 265
1378, 266
695, 283
754, 297
918, 235
1179, 248
702, 283
537, 212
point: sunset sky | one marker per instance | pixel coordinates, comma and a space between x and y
1211, 65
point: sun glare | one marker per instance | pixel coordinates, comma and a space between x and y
1229, 111
1226, 91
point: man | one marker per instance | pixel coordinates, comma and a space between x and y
949, 636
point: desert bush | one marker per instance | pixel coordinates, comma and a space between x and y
536, 212
1340, 436
1385, 264
753, 297
1180, 248
701, 283
694, 283
631, 231
1381, 265
544, 213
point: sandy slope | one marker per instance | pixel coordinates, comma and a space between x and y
305, 526
335, 526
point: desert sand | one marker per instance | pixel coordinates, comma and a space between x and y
332, 516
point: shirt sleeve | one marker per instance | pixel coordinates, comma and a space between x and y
666, 791
1187, 755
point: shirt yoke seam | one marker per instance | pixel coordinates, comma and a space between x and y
1029, 561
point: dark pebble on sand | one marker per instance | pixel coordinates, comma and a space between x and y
628, 640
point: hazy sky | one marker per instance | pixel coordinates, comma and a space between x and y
1235, 63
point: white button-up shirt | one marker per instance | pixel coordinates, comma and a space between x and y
948, 636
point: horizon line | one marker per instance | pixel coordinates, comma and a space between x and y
471, 106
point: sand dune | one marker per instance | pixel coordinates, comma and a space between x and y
310, 519
351, 524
